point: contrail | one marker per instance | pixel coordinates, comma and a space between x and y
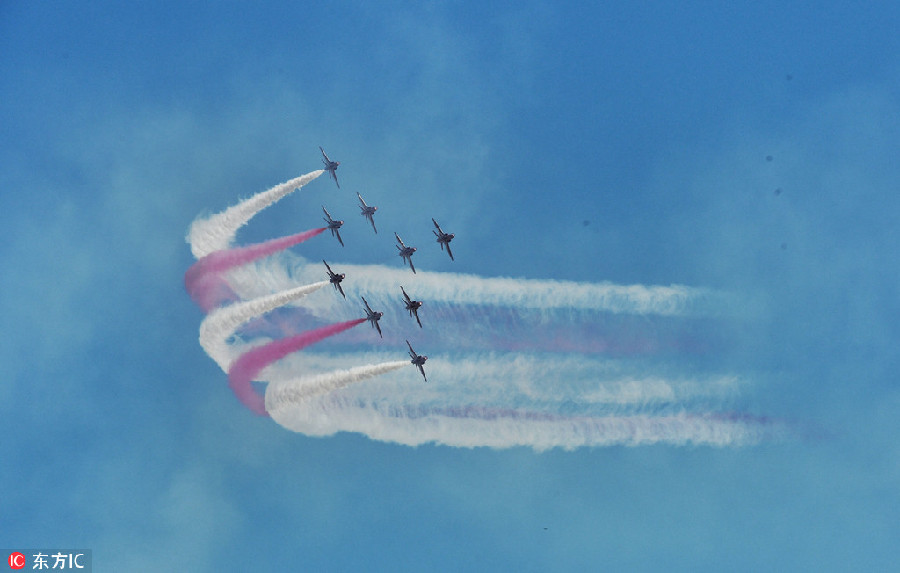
508, 401
325, 415
216, 232
382, 284
543, 316
281, 395
248, 366
574, 384
205, 286
221, 324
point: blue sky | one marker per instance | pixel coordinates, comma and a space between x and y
559, 141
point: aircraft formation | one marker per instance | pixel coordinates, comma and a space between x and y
403, 251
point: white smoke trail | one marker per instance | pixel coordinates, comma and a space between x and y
607, 401
282, 395
215, 233
584, 385
381, 284
385, 421
221, 324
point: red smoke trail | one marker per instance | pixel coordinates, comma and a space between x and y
203, 283
245, 369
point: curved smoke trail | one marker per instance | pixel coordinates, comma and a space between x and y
487, 391
221, 324
203, 280
248, 366
215, 233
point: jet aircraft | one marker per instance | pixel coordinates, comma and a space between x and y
412, 306
367, 211
417, 360
333, 225
330, 166
443, 238
405, 252
373, 316
335, 279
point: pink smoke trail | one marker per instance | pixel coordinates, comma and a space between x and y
203, 281
245, 369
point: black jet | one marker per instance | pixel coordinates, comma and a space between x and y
417, 360
367, 211
405, 253
443, 238
333, 225
335, 279
373, 316
412, 306
330, 166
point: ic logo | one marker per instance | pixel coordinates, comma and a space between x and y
16, 560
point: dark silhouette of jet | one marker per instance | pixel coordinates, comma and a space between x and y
417, 360
373, 316
331, 167
443, 238
412, 306
335, 279
333, 225
405, 252
367, 211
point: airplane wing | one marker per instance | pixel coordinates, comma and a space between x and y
338, 234
449, 252
411, 265
362, 202
406, 296
326, 266
378, 328
338, 285
422, 370
334, 176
